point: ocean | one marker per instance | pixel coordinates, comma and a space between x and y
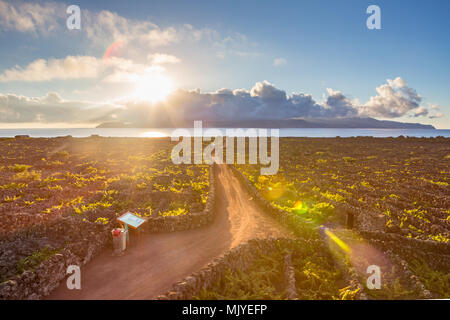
167, 132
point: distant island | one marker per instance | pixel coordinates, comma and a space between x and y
351, 123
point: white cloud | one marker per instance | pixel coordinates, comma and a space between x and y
162, 58
49, 109
279, 62
436, 115
220, 55
31, 17
106, 26
435, 107
394, 99
420, 112
71, 67
235, 44
265, 90
101, 28
112, 69
338, 105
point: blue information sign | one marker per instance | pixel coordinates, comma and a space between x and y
131, 220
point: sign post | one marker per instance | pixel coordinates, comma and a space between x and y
131, 221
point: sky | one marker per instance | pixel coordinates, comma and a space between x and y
133, 60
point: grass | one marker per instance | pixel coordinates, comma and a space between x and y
260, 282
34, 260
316, 277
437, 282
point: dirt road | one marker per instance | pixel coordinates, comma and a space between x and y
159, 260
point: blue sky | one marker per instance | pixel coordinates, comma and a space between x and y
235, 44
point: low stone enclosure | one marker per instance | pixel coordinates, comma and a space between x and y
353, 220
73, 240
188, 221
87, 239
242, 257
370, 226
437, 254
239, 258
81, 239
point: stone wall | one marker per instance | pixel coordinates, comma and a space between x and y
436, 254
358, 219
408, 276
345, 214
295, 223
287, 219
371, 226
77, 239
240, 258
289, 275
189, 221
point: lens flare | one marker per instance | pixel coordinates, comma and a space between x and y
300, 207
338, 241
111, 49
275, 191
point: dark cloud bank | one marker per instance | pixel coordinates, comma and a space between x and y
263, 106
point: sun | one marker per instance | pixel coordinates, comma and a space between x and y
153, 87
